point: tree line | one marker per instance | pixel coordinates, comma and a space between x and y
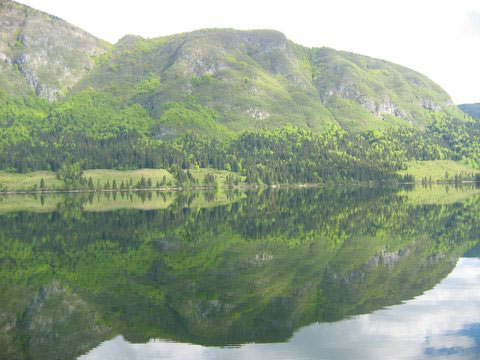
87, 131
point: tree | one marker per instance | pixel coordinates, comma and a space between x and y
42, 184
71, 174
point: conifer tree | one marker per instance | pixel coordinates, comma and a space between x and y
90, 183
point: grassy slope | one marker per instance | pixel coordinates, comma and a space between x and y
437, 169
26, 181
103, 175
17, 182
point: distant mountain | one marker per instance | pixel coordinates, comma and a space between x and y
471, 109
260, 80
41, 53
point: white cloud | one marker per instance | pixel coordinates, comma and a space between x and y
435, 37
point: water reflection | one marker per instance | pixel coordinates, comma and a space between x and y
219, 269
442, 323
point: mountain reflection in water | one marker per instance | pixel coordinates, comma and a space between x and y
290, 273
443, 322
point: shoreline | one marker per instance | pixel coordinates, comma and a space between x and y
204, 188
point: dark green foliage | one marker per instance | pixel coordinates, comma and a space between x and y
471, 109
71, 174
460, 136
142, 184
209, 180
289, 155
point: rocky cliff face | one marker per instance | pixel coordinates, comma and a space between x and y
42, 53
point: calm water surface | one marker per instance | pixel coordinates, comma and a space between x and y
442, 323
361, 273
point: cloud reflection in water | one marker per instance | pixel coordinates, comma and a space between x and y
442, 323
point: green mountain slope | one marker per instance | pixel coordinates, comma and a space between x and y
250, 102
233, 80
42, 54
471, 109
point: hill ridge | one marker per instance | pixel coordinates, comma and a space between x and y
260, 79
41, 53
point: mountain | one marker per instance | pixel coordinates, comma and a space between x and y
251, 102
471, 109
241, 80
213, 81
41, 53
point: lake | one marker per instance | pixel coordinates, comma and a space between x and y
309, 273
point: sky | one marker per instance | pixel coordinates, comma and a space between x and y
439, 38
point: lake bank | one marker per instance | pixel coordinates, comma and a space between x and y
106, 180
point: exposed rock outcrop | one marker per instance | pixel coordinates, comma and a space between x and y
47, 53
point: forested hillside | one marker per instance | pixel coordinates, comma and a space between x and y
229, 81
471, 109
250, 102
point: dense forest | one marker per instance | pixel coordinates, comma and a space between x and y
89, 131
